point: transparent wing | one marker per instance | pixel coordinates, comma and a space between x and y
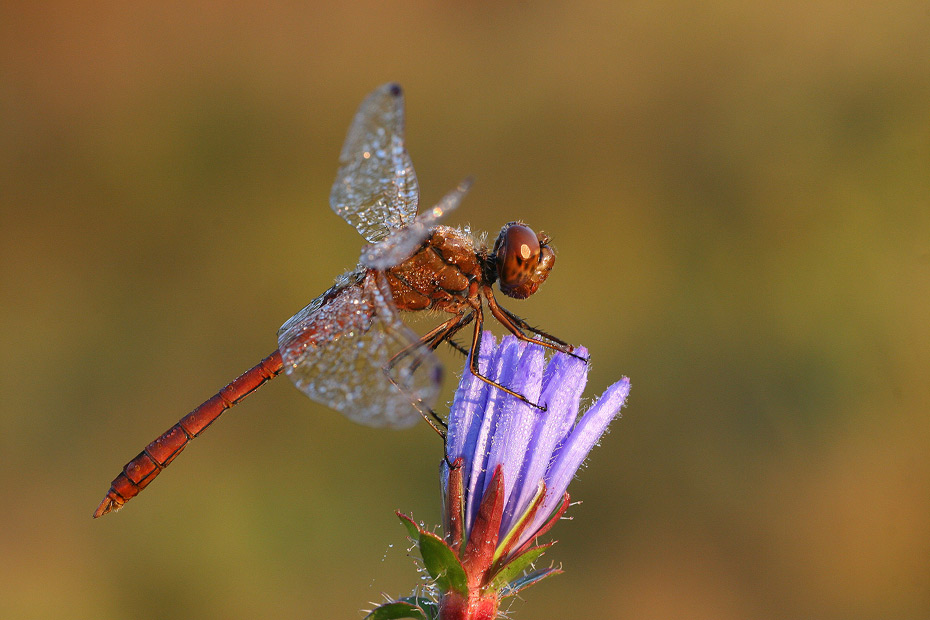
337, 348
376, 188
404, 242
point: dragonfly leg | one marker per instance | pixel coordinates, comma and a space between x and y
475, 370
430, 340
515, 325
448, 338
432, 418
447, 335
435, 337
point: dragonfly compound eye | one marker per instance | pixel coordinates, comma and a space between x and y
523, 260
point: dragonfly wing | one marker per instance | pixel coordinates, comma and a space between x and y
336, 351
404, 242
376, 187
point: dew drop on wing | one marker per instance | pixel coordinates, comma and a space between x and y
403, 242
336, 349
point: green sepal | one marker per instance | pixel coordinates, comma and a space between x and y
428, 605
400, 609
526, 581
513, 570
412, 528
442, 564
439, 559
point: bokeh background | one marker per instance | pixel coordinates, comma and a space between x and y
740, 197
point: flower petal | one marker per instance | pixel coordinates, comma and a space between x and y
468, 405
563, 383
468, 409
501, 370
569, 455
510, 442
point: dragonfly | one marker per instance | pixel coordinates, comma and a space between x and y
349, 348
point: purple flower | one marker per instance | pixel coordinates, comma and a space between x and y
489, 429
511, 464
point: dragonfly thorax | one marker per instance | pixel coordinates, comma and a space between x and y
442, 274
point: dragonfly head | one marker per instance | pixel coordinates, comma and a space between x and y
523, 259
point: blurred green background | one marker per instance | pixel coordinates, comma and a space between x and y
740, 197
